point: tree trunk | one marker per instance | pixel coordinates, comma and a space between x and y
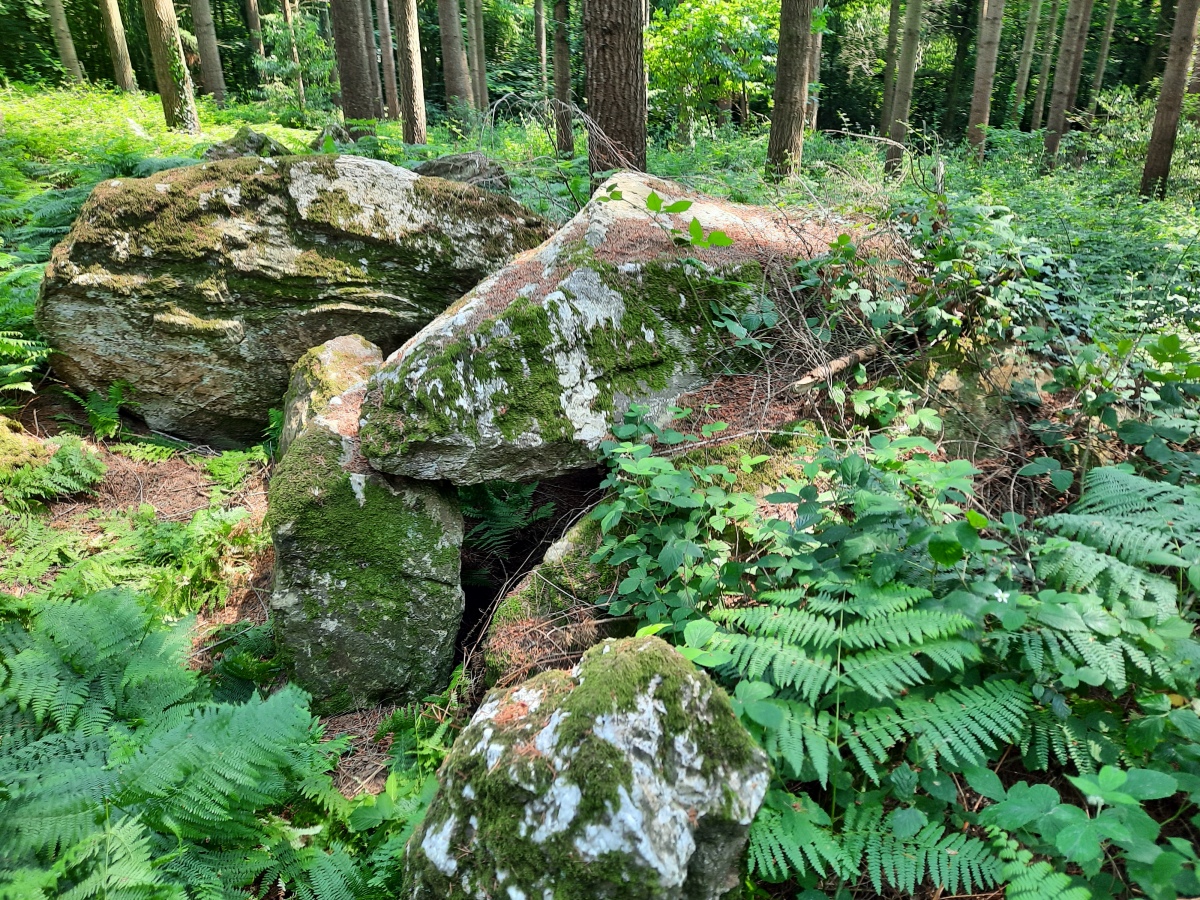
211, 77
455, 72
889, 66
967, 26
411, 75
786, 143
118, 48
1016, 111
358, 101
254, 25
1162, 29
62, 39
814, 77
479, 58
905, 73
614, 60
1194, 85
1039, 102
539, 31
988, 48
1078, 13
1102, 59
1170, 100
372, 51
289, 20
390, 97
1077, 59
564, 132
170, 71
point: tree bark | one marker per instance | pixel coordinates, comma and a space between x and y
987, 50
1078, 14
889, 66
1039, 102
614, 59
1170, 100
1194, 84
358, 101
962, 46
118, 48
372, 51
390, 97
478, 51
411, 74
814, 77
1162, 30
539, 32
455, 72
289, 20
1077, 59
1102, 60
564, 131
786, 143
1016, 112
170, 70
254, 26
905, 73
211, 77
62, 39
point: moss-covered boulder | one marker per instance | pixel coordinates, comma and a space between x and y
470, 168
320, 376
629, 777
367, 600
247, 142
524, 376
202, 285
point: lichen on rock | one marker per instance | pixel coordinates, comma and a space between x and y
629, 777
320, 376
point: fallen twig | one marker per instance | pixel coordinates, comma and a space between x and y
822, 374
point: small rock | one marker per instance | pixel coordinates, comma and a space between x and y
337, 133
247, 142
629, 777
470, 168
319, 376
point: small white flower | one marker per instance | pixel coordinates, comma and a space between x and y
1002, 596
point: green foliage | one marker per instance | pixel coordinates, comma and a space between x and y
71, 468
503, 509
104, 410
231, 468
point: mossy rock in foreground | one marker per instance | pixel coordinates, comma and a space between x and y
629, 778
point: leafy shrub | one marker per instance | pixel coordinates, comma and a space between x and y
71, 468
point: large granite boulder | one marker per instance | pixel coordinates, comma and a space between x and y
367, 600
318, 379
247, 142
201, 286
523, 378
628, 778
470, 168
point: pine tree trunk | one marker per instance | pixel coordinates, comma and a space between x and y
372, 51
118, 48
985, 72
614, 60
211, 77
170, 70
411, 74
1170, 100
1039, 102
905, 73
289, 20
786, 143
564, 132
254, 25
1102, 59
1078, 12
1016, 111
962, 46
539, 32
889, 66
455, 72
358, 101
479, 59
390, 97
62, 39
814, 78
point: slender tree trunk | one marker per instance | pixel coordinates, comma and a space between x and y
1162, 29
539, 31
411, 74
1102, 60
1077, 59
254, 26
1170, 100
479, 58
372, 51
614, 60
170, 70
905, 73
211, 77
289, 19
455, 72
390, 96
786, 143
564, 132
962, 46
1039, 102
1016, 111
889, 66
118, 49
985, 72
472, 44
1078, 12
1194, 84
358, 99
814, 77
62, 39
